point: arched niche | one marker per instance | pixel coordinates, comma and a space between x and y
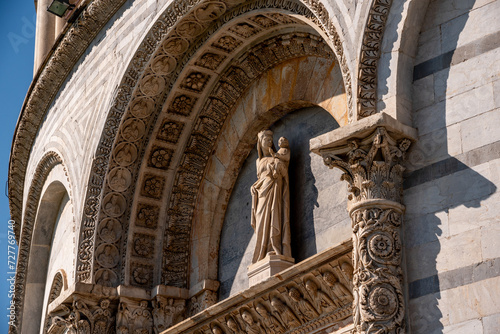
269, 98
318, 218
58, 285
147, 175
51, 247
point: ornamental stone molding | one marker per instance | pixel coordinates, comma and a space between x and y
133, 110
314, 294
369, 57
45, 166
371, 154
75, 39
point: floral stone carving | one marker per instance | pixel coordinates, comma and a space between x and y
83, 317
371, 156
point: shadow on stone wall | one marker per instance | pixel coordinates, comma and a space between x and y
439, 178
237, 244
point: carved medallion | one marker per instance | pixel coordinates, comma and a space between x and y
142, 274
189, 29
384, 248
119, 179
114, 204
110, 230
147, 216
244, 30
125, 154
182, 105
227, 43
210, 60
170, 131
142, 107
175, 46
107, 255
160, 157
382, 302
153, 186
106, 277
152, 85
209, 11
144, 245
163, 65
133, 130
195, 81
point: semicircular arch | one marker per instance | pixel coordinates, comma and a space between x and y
51, 184
166, 62
257, 110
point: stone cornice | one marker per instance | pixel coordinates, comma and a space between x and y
68, 48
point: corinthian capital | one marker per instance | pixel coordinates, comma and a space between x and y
370, 152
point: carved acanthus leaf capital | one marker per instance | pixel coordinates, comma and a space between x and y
371, 154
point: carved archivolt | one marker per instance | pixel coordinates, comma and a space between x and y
44, 88
47, 163
369, 57
75, 41
158, 77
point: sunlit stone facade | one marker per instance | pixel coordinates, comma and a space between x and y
134, 156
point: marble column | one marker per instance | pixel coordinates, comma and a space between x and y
45, 32
371, 154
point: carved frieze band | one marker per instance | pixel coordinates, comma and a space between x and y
369, 57
319, 297
373, 169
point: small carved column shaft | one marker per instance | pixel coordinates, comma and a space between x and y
371, 158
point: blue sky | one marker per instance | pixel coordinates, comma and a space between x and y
17, 26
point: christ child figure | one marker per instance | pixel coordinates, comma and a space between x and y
281, 158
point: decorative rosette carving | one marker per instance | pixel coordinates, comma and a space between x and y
373, 168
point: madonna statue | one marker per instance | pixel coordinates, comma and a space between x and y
271, 198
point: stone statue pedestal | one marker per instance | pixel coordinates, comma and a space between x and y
267, 267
